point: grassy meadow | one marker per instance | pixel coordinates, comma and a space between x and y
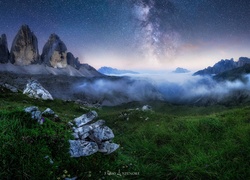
169, 142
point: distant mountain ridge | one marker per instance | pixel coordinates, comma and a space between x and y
55, 59
110, 70
233, 74
223, 66
180, 70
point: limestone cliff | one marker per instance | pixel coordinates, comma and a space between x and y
4, 52
54, 52
72, 61
24, 49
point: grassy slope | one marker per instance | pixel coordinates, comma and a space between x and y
171, 142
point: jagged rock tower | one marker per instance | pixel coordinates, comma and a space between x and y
24, 49
72, 61
54, 52
4, 52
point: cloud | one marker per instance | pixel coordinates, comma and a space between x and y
169, 87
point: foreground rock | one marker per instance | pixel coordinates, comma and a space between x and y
54, 52
35, 90
37, 115
9, 87
4, 52
24, 49
146, 108
91, 138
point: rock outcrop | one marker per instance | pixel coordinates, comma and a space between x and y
9, 87
91, 138
4, 52
72, 61
54, 52
146, 108
37, 115
24, 49
35, 90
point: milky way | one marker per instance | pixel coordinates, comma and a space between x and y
137, 33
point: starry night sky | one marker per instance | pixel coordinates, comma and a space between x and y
137, 34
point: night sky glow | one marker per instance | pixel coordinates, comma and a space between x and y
137, 34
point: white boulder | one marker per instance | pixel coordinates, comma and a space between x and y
35, 90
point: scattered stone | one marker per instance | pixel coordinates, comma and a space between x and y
48, 112
82, 132
35, 113
146, 108
41, 121
35, 90
89, 138
11, 88
50, 160
31, 109
80, 148
85, 118
86, 133
70, 124
38, 115
103, 133
57, 118
97, 124
108, 147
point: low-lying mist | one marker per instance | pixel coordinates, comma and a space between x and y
171, 87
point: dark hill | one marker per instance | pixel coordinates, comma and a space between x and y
236, 73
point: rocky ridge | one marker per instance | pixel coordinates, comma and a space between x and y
222, 66
24, 53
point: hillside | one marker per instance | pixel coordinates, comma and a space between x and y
170, 142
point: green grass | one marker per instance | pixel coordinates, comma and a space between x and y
170, 142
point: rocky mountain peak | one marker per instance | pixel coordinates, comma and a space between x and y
24, 49
54, 52
243, 60
4, 52
72, 61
